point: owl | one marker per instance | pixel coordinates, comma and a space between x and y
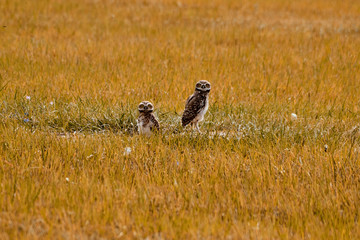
197, 105
146, 121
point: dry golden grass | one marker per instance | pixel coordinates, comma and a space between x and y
71, 166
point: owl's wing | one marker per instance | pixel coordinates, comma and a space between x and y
192, 108
189, 99
155, 122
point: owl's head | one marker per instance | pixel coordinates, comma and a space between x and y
146, 106
203, 86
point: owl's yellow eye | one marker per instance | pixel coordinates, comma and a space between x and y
198, 85
141, 106
207, 85
150, 106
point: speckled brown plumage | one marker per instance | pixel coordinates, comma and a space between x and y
146, 121
194, 104
197, 104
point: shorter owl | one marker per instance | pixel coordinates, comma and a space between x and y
197, 105
146, 121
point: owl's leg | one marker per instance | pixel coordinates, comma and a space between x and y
197, 127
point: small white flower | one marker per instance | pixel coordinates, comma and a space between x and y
293, 116
326, 147
127, 151
51, 103
28, 97
67, 179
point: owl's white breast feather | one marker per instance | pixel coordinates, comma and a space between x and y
144, 128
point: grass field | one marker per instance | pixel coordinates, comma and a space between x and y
73, 72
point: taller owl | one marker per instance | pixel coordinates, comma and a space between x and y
197, 105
